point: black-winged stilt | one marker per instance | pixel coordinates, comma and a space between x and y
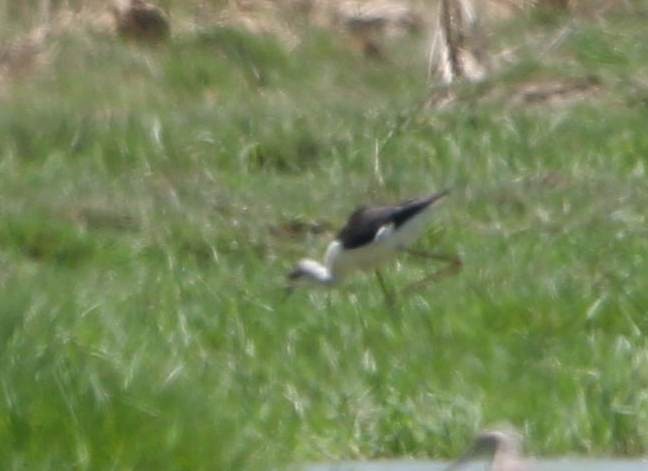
371, 237
502, 447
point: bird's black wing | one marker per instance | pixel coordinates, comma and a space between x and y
408, 209
364, 223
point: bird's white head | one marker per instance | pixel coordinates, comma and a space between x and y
309, 273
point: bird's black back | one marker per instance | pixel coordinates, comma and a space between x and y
364, 223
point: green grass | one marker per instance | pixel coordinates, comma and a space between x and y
144, 199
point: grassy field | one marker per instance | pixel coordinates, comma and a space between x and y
151, 202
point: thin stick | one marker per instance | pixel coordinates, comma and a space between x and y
557, 40
377, 167
452, 25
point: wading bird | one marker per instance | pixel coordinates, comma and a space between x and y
502, 447
371, 237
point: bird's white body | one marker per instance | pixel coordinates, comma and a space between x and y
340, 262
385, 245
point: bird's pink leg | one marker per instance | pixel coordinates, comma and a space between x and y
389, 295
453, 266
